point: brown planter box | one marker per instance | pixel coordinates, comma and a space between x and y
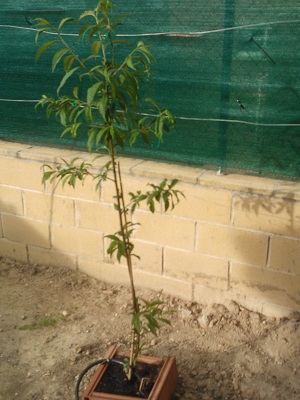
164, 386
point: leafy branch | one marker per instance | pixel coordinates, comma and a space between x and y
104, 103
70, 172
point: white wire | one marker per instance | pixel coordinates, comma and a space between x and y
234, 121
36, 30
196, 34
20, 100
200, 33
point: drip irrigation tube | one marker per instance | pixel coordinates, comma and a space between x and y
100, 362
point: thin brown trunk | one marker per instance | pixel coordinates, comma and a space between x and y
124, 232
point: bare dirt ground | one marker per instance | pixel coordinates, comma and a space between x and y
54, 322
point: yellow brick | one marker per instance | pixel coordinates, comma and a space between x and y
208, 295
106, 272
240, 183
205, 295
9, 171
188, 266
285, 254
11, 201
267, 285
160, 170
204, 204
11, 149
37, 205
62, 210
118, 275
21, 173
49, 208
46, 154
287, 190
26, 231
77, 241
233, 244
14, 250
29, 175
174, 287
97, 217
151, 257
275, 310
267, 214
166, 230
38, 255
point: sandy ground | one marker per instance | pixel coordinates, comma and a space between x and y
54, 322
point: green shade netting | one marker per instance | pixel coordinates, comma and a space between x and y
228, 70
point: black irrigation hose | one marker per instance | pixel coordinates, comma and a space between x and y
99, 362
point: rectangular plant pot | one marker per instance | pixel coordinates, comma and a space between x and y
164, 386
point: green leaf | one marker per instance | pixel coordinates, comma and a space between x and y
166, 200
74, 128
68, 62
76, 113
65, 131
96, 47
88, 113
63, 22
153, 303
112, 237
114, 87
104, 7
163, 184
86, 14
173, 183
91, 140
165, 321
91, 29
102, 106
102, 134
121, 250
91, 92
119, 136
42, 22
57, 57
129, 62
151, 206
47, 175
133, 136
150, 201
39, 32
43, 48
75, 92
136, 322
63, 117
65, 78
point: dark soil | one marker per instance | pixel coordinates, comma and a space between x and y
115, 381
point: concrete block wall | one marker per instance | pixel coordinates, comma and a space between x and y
234, 237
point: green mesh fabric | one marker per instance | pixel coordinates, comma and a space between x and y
229, 70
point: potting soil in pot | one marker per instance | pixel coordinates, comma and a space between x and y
114, 379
